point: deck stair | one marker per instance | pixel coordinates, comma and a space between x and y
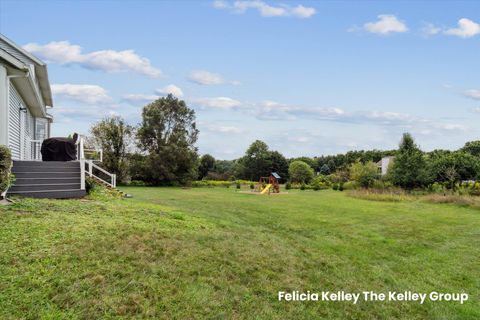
52, 179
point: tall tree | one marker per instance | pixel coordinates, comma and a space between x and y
113, 135
279, 164
256, 162
207, 163
168, 134
409, 167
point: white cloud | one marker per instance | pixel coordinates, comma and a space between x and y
472, 93
466, 29
475, 110
224, 129
386, 24
217, 103
86, 93
78, 114
219, 4
303, 12
62, 52
170, 89
139, 99
265, 9
429, 29
204, 77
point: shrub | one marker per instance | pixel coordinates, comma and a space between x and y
238, 185
300, 171
320, 182
351, 185
90, 185
252, 186
136, 183
6, 178
220, 183
364, 174
340, 187
303, 186
335, 186
288, 185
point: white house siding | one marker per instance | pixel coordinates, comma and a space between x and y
15, 102
28, 126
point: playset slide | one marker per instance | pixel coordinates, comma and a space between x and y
266, 188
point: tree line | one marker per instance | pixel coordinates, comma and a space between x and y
161, 151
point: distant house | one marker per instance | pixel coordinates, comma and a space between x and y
25, 94
383, 164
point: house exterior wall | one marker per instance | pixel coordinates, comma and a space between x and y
385, 162
21, 127
15, 104
3, 106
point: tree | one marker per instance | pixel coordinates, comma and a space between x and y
365, 174
168, 134
279, 164
256, 162
325, 169
114, 137
409, 167
300, 172
472, 147
451, 167
207, 163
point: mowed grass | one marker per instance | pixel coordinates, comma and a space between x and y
170, 253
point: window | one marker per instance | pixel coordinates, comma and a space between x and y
41, 129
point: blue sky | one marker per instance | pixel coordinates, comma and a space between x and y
307, 77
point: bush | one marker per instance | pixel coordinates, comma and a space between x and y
221, 183
252, 186
340, 187
288, 185
364, 174
136, 183
300, 171
335, 186
238, 185
6, 178
303, 186
90, 185
351, 185
320, 182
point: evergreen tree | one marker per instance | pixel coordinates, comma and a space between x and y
409, 167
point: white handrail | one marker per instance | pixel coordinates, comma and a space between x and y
113, 177
90, 166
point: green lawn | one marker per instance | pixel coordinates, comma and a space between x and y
218, 254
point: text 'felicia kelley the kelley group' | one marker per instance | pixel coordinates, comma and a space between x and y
355, 297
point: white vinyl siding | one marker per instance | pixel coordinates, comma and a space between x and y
14, 126
15, 103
